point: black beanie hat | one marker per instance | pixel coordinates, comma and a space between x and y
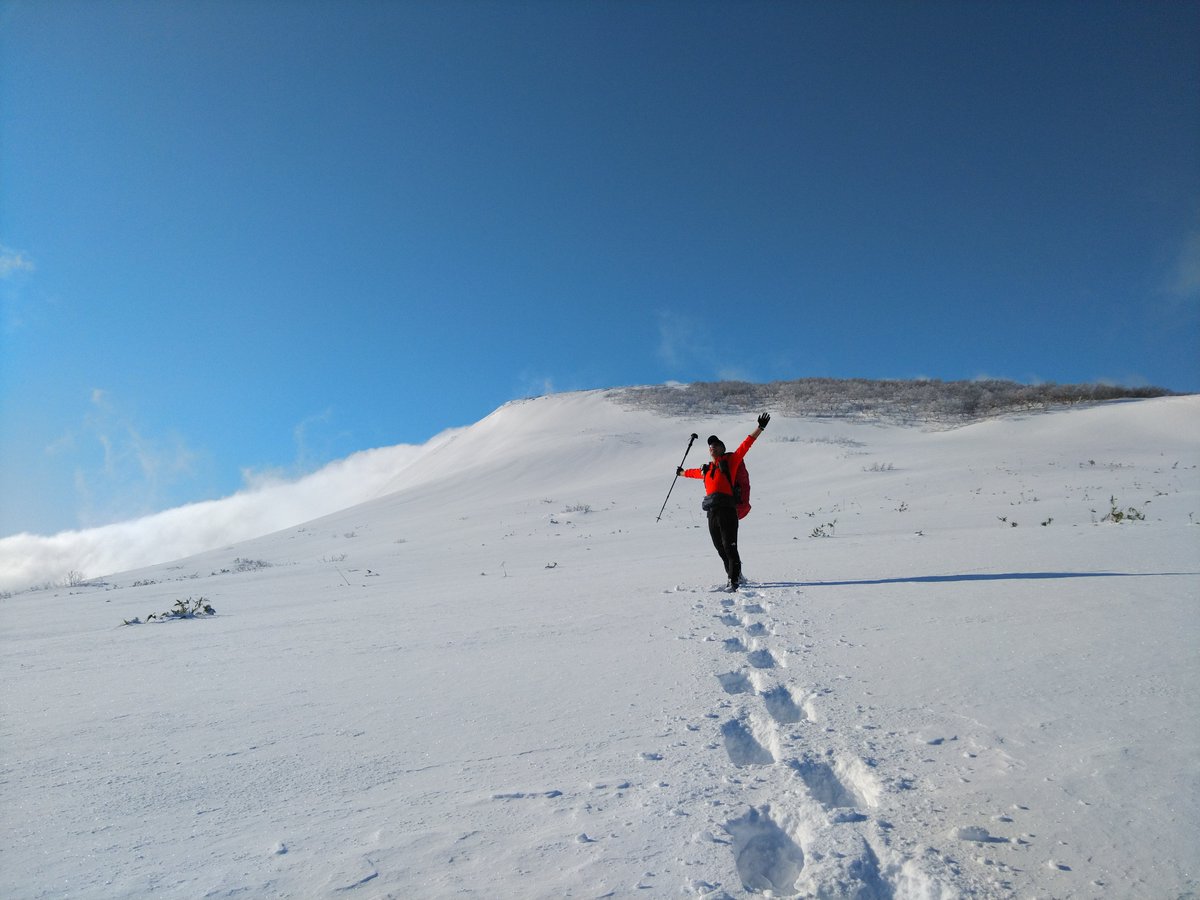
713, 439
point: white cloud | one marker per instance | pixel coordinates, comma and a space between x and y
13, 262
1184, 280
15, 307
303, 433
120, 470
531, 385
680, 341
1129, 380
733, 373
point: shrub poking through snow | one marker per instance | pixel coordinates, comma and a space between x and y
1118, 515
824, 531
253, 565
191, 608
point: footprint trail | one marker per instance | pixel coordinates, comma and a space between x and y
801, 822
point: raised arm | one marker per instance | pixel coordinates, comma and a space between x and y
741, 451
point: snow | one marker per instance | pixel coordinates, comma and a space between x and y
503, 678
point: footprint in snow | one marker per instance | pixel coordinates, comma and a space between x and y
782, 706
762, 659
823, 784
766, 856
735, 683
743, 747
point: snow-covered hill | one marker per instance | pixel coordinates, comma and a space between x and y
503, 677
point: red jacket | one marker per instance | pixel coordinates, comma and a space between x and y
715, 481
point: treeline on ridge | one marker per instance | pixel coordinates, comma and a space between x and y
911, 401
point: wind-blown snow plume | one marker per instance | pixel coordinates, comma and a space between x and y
28, 560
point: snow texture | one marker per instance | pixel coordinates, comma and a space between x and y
503, 678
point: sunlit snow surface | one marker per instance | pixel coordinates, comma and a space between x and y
504, 678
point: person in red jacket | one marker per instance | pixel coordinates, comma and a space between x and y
719, 477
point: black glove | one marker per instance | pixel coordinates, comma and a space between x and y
763, 420
679, 471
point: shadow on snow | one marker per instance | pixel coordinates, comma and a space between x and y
952, 579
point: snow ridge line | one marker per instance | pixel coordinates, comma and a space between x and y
804, 824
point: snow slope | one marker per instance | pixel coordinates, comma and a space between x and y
504, 678
269, 504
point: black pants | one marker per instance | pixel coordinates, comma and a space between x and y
723, 528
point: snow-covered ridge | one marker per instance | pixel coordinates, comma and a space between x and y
954, 674
503, 444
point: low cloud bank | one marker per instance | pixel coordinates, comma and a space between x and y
28, 560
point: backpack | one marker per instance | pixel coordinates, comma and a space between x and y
741, 487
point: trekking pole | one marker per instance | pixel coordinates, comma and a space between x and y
685, 453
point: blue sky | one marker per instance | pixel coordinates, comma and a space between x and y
239, 240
